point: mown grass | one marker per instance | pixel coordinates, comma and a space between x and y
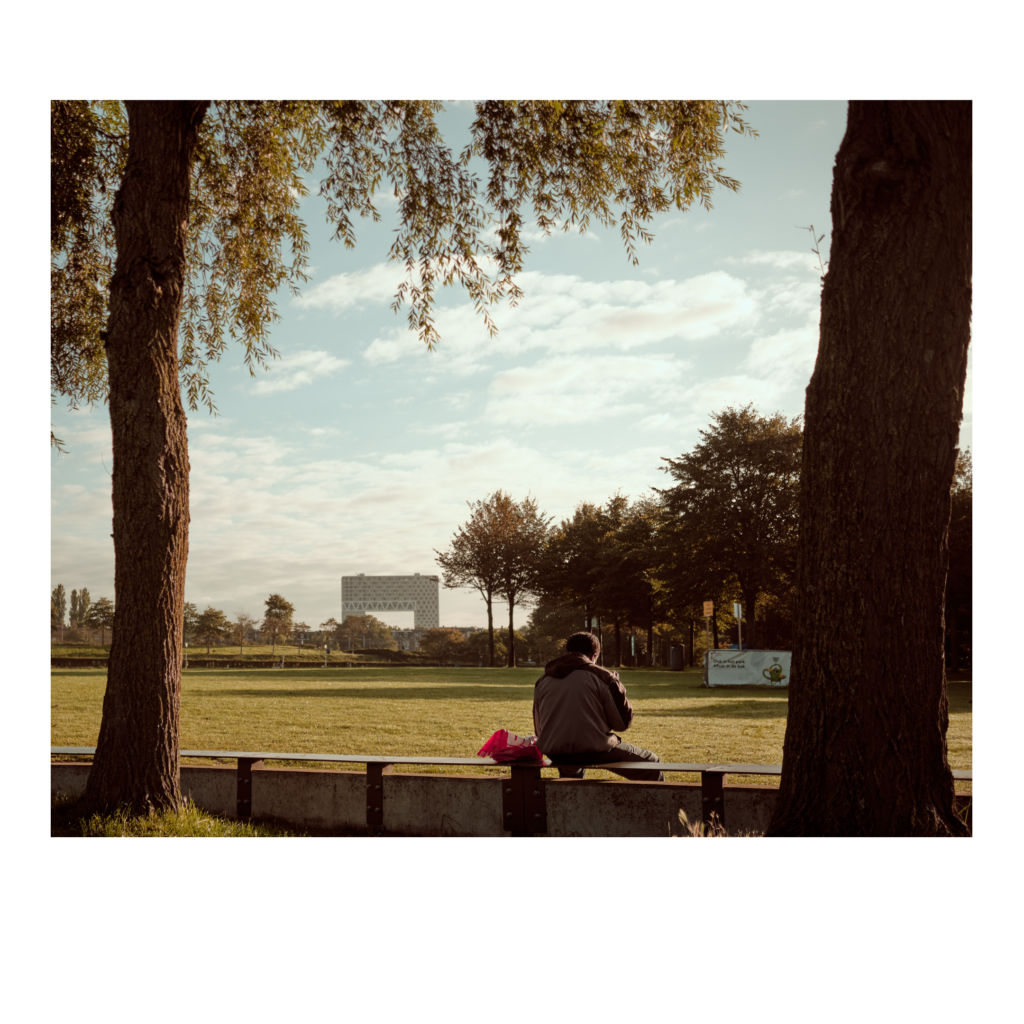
450, 712
256, 652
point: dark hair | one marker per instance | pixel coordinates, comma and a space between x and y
583, 643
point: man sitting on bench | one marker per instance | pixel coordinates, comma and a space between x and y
577, 705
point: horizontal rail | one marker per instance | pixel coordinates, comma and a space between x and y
664, 766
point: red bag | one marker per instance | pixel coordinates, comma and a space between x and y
505, 746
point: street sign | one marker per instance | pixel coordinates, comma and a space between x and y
737, 610
709, 609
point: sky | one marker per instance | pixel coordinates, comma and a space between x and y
357, 451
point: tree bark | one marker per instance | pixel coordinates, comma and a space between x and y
490, 627
137, 759
650, 628
511, 663
865, 745
954, 658
749, 602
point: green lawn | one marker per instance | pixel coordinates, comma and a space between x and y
450, 712
254, 652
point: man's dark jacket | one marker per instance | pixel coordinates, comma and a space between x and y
577, 706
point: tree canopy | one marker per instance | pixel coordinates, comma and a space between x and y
733, 510
566, 162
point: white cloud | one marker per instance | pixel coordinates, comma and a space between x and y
449, 430
566, 389
782, 260
376, 284
296, 369
563, 313
787, 355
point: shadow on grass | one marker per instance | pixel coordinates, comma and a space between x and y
343, 692
763, 708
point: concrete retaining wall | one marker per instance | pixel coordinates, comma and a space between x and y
454, 805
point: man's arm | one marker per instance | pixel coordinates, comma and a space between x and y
617, 708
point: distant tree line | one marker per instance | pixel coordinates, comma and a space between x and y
635, 572
83, 614
638, 572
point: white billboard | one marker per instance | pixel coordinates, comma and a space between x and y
748, 668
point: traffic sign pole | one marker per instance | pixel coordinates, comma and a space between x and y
709, 610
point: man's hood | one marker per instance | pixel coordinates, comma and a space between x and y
559, 668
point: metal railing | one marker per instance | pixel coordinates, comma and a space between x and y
524, 808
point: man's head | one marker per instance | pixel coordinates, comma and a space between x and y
583, 643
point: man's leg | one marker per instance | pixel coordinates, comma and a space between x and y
623, 752
627, 752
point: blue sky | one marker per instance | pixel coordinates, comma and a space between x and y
358, 450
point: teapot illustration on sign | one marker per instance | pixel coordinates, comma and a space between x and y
774, 674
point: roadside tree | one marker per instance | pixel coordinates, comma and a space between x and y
168, 214
360, 631
520, 537
570, 572
58, 606
80, 605
213, 625
472, 560
549, 626
443, 645
735, 503
865, 747
190, 619
479, 646
329, 630
277, 627
244, 624
101, 617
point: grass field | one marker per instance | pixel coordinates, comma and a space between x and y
255, 652
450, 712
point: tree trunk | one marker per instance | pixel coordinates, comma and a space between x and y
953, 660
714, 631
618, 644
137, 760
693, 649
650, 628
490, 625
511, 635
865, 746
749, 601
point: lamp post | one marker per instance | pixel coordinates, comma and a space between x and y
186, 654
326, 649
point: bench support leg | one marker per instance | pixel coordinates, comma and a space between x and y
523, 807
712, 797
375, 794
243, 790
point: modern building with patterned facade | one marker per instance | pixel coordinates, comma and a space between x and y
368, 595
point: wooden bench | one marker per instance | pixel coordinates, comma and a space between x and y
524, 809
